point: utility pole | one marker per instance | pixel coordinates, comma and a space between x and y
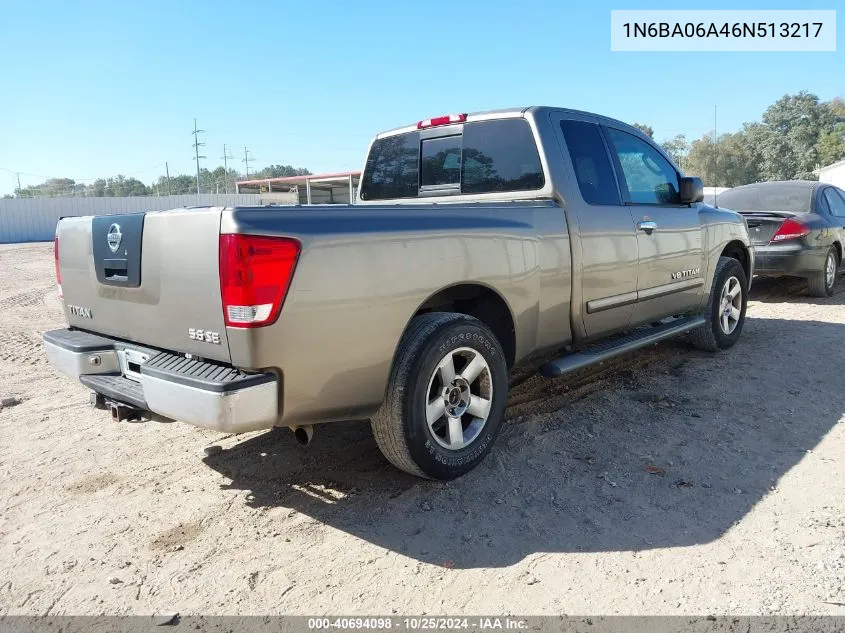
197, 146
167, 171
226, 157
715, 158
246, 160
19, 184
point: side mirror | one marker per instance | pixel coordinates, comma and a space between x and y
692, 190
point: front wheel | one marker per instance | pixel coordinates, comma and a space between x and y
446, 398
725, 311
821, 285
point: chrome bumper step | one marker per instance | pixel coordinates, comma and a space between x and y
204, 393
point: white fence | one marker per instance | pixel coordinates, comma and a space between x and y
34, 219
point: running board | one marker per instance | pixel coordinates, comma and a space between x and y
620, 345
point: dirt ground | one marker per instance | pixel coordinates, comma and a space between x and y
745, 513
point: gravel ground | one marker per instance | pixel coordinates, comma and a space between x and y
743, 511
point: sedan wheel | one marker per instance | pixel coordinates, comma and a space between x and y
830, 270
821, 284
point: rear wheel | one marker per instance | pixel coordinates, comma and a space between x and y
446, 397
725, 309
821, 285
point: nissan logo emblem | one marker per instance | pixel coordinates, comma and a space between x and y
114, 236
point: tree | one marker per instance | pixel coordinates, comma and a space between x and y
832, 140
789, 146
51, 188
832, 145
837, 108
678, 148
726, 164
645, 129
279, 171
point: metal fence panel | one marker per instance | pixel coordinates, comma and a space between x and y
34, 219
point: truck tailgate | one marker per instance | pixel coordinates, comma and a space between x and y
151, 278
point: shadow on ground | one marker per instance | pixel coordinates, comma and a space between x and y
568, 473
791, 289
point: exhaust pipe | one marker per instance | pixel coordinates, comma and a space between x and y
303, 434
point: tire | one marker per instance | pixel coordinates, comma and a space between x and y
714, 335
821, 285
407, 427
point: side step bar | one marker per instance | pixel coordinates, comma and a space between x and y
621, 345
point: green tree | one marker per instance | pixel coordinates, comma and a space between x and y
279, 171
678, 148
836, 106
832, 145
645, 129
726, 164
789, 144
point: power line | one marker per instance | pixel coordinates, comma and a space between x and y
246, 160
226, 158
197, 146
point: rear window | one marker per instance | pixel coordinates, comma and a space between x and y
441, 162
487, 157
392, 168
789, 197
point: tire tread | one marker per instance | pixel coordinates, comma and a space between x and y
387, 423
704, 337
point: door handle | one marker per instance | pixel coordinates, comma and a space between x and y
647, 225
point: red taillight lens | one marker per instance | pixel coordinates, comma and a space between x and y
790, 230
441, 120
56, 258
255, 272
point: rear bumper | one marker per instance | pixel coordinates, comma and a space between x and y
210, 395
788, 259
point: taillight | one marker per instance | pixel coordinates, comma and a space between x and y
441, 120
790, 229
56, 258
255, 272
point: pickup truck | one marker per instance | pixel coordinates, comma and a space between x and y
477, 241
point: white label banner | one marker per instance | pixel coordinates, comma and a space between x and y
722, 30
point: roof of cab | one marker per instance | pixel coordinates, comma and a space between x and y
505, 113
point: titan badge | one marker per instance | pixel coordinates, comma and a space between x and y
79, 311
683, 274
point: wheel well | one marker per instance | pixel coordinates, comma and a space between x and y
838, 252
738, 251
482, 303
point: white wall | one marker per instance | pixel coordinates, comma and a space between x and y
833, 174
34, 219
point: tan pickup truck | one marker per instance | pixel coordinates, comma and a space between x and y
476, 242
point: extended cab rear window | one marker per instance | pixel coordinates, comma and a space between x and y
484, 157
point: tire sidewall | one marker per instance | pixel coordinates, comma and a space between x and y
436, 461
732, 269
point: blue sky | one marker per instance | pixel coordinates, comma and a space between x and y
103, 88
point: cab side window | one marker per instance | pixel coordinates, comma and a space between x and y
650, 178
835, 202
590, 162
